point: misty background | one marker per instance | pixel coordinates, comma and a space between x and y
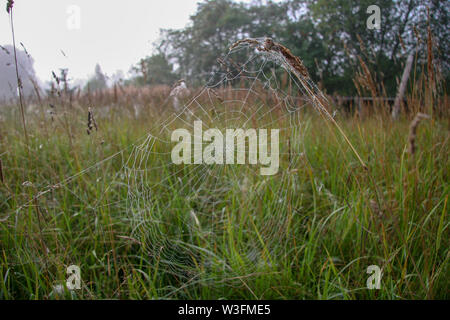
96, 44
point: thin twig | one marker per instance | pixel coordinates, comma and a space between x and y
19, 82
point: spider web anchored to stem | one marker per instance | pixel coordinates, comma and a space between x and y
191, 218
182, 211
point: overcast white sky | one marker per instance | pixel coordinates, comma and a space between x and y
114, 33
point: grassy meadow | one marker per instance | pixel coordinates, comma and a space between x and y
309, 232
86, 179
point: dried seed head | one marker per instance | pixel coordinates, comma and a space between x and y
4, 49
295, 65
9, 5
413, 131
25, 50
91, 125
55, 77
271, 46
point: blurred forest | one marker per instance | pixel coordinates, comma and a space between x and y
330, 36
8, 79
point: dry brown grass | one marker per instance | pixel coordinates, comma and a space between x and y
413, 132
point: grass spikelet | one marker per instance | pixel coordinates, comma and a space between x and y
413, 131
91, 124
9, 5
296, 66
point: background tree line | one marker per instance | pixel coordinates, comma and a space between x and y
330, 36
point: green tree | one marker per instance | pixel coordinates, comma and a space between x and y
345, 36
97, 81
330, 36
215, 26
155, 69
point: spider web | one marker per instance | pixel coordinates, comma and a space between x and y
182, 211
187, 217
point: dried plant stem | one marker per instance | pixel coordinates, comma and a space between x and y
325, 112
296, 66
2, 179
19, 82
402, 87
